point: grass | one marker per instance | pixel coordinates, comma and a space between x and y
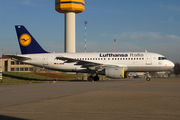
11, 78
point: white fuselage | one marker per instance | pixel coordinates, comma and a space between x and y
131, 61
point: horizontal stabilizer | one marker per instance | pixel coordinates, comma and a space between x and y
21, 58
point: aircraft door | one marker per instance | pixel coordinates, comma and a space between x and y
45, 60
148, 59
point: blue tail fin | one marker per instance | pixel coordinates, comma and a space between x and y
27, 43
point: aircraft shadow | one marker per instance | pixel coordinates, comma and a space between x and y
3, 117
34, 79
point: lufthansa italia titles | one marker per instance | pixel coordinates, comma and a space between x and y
121, 55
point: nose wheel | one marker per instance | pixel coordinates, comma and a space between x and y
148, 77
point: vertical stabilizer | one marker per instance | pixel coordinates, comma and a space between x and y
27, 42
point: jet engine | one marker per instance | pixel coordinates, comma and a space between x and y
115, 72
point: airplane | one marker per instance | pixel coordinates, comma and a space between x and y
110, 64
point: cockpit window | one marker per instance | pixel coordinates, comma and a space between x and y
162, 58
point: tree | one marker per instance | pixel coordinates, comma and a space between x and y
177, 69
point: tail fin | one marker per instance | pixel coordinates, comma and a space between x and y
27, 43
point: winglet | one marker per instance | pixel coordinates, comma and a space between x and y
27, 43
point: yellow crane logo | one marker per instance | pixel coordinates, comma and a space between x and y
25, 39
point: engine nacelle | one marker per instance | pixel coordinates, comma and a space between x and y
115, 72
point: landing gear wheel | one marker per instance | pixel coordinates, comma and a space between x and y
96, 78
148, 78
90, 78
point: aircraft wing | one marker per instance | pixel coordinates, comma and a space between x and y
87, 64
68, 60
17, 57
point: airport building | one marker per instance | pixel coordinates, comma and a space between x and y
9, 65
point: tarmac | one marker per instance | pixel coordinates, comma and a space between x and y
124, 99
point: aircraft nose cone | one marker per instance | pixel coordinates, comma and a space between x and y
171, 65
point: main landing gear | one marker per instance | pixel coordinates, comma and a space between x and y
91, 78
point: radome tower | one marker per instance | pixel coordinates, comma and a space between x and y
69, 8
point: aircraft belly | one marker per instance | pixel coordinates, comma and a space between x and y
143, 68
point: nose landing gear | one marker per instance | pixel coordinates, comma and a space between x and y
148, 77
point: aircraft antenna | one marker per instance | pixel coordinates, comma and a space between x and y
85, 22
114, 45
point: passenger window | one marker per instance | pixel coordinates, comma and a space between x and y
108, 58
112, 58
104, 58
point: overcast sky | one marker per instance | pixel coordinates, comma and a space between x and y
137, 25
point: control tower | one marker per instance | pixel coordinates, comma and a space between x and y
69, 8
